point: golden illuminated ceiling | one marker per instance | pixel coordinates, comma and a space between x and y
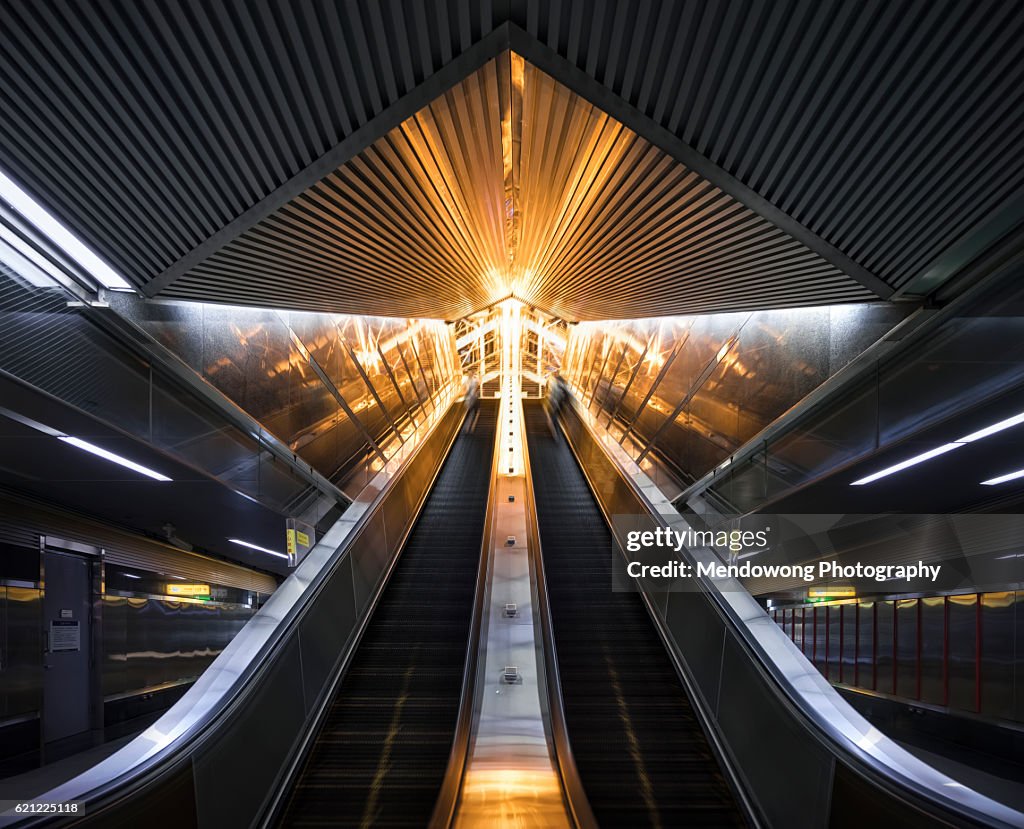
510, 184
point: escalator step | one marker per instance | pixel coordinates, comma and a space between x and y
641, 753
381, 754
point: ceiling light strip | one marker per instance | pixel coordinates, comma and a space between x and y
993, 429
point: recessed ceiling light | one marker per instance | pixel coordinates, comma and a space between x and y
1009, 422
252, 546
924, 456
99, 451
60, 235
991, 430
1002, 479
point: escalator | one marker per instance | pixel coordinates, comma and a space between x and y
380, 756
641, 753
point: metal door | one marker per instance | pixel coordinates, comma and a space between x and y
67, 617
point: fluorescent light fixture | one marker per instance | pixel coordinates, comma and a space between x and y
32, 273
924, 456
1002, 479
991, 430
252, 546
131, 576
1009, 422
60, 235
110, 456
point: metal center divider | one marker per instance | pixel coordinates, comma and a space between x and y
497, 754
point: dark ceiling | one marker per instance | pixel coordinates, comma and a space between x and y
36, 463
885, 137
949, 483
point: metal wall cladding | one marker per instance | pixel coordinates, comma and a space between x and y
963, 650
21, 677
149, 642
865, 675
820, 641
835, 642
849, 643
704, 386
339, 390
924, 649
885, 677
933, 634
998, 653
906, 684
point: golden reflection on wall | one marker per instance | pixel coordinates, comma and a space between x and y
692, 390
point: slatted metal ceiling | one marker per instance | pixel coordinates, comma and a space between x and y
892, 130
416, 225
411, 227
611, 222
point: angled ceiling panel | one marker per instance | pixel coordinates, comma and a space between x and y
613, 227
411, 227
510, 184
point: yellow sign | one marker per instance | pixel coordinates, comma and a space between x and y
188, 590
831, 593
296, 539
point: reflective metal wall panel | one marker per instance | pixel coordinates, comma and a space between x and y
963, 618
884, 652
933, 642
849, 644
703, 386
167, 641
865, 677
835, 643
114, 629
906, 648
21, 680
998, 626
821, 638
341, 391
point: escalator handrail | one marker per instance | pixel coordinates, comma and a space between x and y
274, 809
804, 692
221, 691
